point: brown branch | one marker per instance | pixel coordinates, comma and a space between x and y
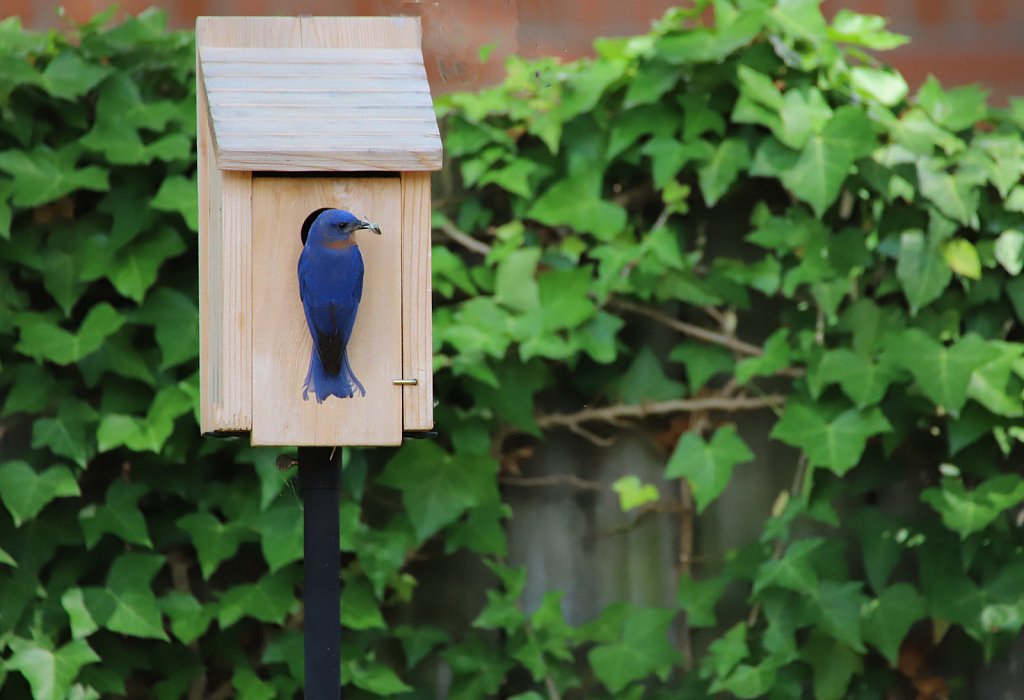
700, 423
553, 480
646, 510
689, 329
721, 318
640, 194
610, 414
464, 239
223, 692
197, 688
592, 437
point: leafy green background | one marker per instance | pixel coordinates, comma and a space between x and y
812, 241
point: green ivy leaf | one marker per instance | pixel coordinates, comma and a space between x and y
864, 30
214, 540
633, 493
643, 649
703, 361
281, 533
652, 80
698, 599
890, 617
359, 610
943, 373
834, 664
575, 202
1009, 251
775, 357
962, 258
374, 678
792, 571
149, 433
922, 270
716, 176
711, 44
725, 653
175, 320
25, 492
134, 269
250, 686
269, 600
43, 175
747, 681
119, 515
839, 611
135, 611
419, 641
42, 340
178, 194
69, 76
955, 109
837, 443
189, 618
967, 512
817, 172
865, 382
515, 285
707, 466
953, 195
885, 86
564, 301
699, 118
645, 380
50, 673
82, 622
32, 390
437, 487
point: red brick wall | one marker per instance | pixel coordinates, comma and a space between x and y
960, 41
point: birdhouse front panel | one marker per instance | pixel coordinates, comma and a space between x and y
284, 413
285, 103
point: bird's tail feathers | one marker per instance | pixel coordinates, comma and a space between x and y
343, 384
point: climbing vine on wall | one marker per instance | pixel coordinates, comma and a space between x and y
712, 180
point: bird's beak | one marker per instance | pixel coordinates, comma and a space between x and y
374, 228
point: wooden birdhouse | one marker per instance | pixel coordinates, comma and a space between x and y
296, 115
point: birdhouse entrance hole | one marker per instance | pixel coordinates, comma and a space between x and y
308, 223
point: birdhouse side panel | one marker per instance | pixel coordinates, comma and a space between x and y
417, 325
225, 278
282, 342
236, 319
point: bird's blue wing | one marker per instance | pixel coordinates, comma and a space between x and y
330, 286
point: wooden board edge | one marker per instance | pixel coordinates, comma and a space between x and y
417, 326
207, 417
237, 274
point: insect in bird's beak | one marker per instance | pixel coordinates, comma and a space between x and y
373, 228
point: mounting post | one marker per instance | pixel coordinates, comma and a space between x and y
320, 478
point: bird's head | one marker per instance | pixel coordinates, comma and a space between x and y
333, 225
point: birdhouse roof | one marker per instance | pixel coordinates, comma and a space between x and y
334, 109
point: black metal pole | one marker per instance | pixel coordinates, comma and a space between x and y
320, 478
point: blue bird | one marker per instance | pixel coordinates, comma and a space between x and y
331, 286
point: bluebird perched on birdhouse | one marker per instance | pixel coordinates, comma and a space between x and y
331, 286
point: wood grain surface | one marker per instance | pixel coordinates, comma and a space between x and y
281, 341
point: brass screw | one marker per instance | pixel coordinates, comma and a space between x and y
406, 382
284, 462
